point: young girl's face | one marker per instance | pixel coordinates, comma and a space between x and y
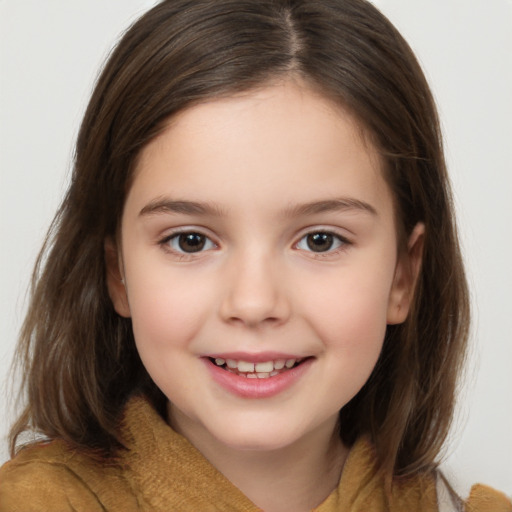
259, 232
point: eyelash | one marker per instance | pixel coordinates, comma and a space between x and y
169, 240
340, 242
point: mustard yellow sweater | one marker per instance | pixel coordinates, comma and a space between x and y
163, 472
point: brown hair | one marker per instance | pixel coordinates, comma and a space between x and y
78, 356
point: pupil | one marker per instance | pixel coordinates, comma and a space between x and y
191, 242
319, 242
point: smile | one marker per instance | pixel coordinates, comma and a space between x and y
259, 370
262, 376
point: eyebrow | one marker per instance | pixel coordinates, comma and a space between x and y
165, 205
331, 205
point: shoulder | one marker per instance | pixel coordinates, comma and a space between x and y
52, 477
425, 492
481, 498
37, 480
429, 493
486, 499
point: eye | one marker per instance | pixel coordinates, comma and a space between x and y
189, 242
320, 241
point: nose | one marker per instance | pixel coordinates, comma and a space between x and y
255, 292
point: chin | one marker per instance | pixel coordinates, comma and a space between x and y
257, 443
269, 436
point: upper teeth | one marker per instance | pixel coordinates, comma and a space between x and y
263, 367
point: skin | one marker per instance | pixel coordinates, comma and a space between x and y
256, 160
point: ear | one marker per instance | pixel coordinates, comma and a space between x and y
115, 279
406, 275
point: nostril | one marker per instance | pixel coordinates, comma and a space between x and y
254, 321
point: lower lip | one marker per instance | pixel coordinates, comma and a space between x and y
257, 388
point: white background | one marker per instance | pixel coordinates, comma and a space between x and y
50, 53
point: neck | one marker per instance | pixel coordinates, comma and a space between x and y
296, 478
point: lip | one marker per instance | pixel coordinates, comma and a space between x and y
260, 357
256, 388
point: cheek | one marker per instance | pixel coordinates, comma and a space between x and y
349, 313
165, 321
166, 312
351, 326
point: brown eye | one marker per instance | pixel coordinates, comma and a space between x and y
320, 241
189, 242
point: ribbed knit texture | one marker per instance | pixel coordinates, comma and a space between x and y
163, 472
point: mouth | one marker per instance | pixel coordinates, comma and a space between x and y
258, 370
257, 376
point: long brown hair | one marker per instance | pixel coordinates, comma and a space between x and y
78, 356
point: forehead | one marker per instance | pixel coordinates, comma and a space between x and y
283, 142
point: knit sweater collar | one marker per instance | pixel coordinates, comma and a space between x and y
171, 474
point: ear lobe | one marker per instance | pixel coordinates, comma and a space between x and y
115, 283
406, 275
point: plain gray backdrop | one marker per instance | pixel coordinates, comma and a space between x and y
50, 53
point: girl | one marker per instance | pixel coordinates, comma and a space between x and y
253, 296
